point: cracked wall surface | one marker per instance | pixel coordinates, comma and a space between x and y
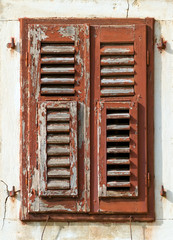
13, 228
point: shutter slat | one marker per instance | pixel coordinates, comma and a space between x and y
118, 127
57, 90
58, 184
117, 61
58, 139
117, 50
58, 173
118, 173
118, 139
118, 150
58, 150
118, 184
54, 127
118, 115
57, 60
50, 80
58, 116
117, 91
118, 161
111, 71
57, 49
115, 81
58, 162
57, 70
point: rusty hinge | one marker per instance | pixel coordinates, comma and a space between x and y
148, 58
26, 59
148, 179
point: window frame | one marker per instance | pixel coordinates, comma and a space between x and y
149, 216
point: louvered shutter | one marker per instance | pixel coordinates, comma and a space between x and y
120, 130
58, 110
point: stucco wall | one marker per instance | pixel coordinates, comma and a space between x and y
10, 11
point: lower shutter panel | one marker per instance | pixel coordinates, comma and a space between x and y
58, 148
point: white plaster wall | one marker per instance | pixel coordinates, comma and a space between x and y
10, 11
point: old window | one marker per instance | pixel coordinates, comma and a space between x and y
87, 119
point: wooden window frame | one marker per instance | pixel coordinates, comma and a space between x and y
149, 215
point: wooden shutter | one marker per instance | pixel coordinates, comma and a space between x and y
58, 118
120, 121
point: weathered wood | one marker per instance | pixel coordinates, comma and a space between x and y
118, 150
117, 81
57, 60
118, 184
117, 50
58, 162
58, 150
117, 91
58, 116
117, 61
118, 173
50, 80
118, 127
54, 127
55, 90
118, 139
58, 184
111, 71
118, 116
57, 49
59, 139
118, 161
59, 172
57, 70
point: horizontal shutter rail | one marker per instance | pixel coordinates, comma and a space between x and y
118, 161
57, 48
58, 184
59, 80
57, 60
118, 150
118, 184
117, 50
117, 61
117, 69
58, 150
58, 116
59, 173
107, 92
117, 81
118, 173
57, 69
58, 161
118, 139
54, 127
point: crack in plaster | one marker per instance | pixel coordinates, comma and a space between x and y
128, 6
5, 204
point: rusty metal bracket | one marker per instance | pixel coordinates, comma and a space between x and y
12, 193
163, 192
162, 45
11, 44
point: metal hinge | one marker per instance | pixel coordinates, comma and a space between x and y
148, 179
148, 58
26, 59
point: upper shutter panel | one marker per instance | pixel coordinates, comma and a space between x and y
121, 119
59, 98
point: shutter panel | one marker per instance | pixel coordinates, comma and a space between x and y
58, 110
120, 129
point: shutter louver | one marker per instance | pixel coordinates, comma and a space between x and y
117, 70
58, 148
57, 69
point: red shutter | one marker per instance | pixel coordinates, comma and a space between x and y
120, 130
58, 110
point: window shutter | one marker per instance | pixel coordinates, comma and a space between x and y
120, 93
58, 110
